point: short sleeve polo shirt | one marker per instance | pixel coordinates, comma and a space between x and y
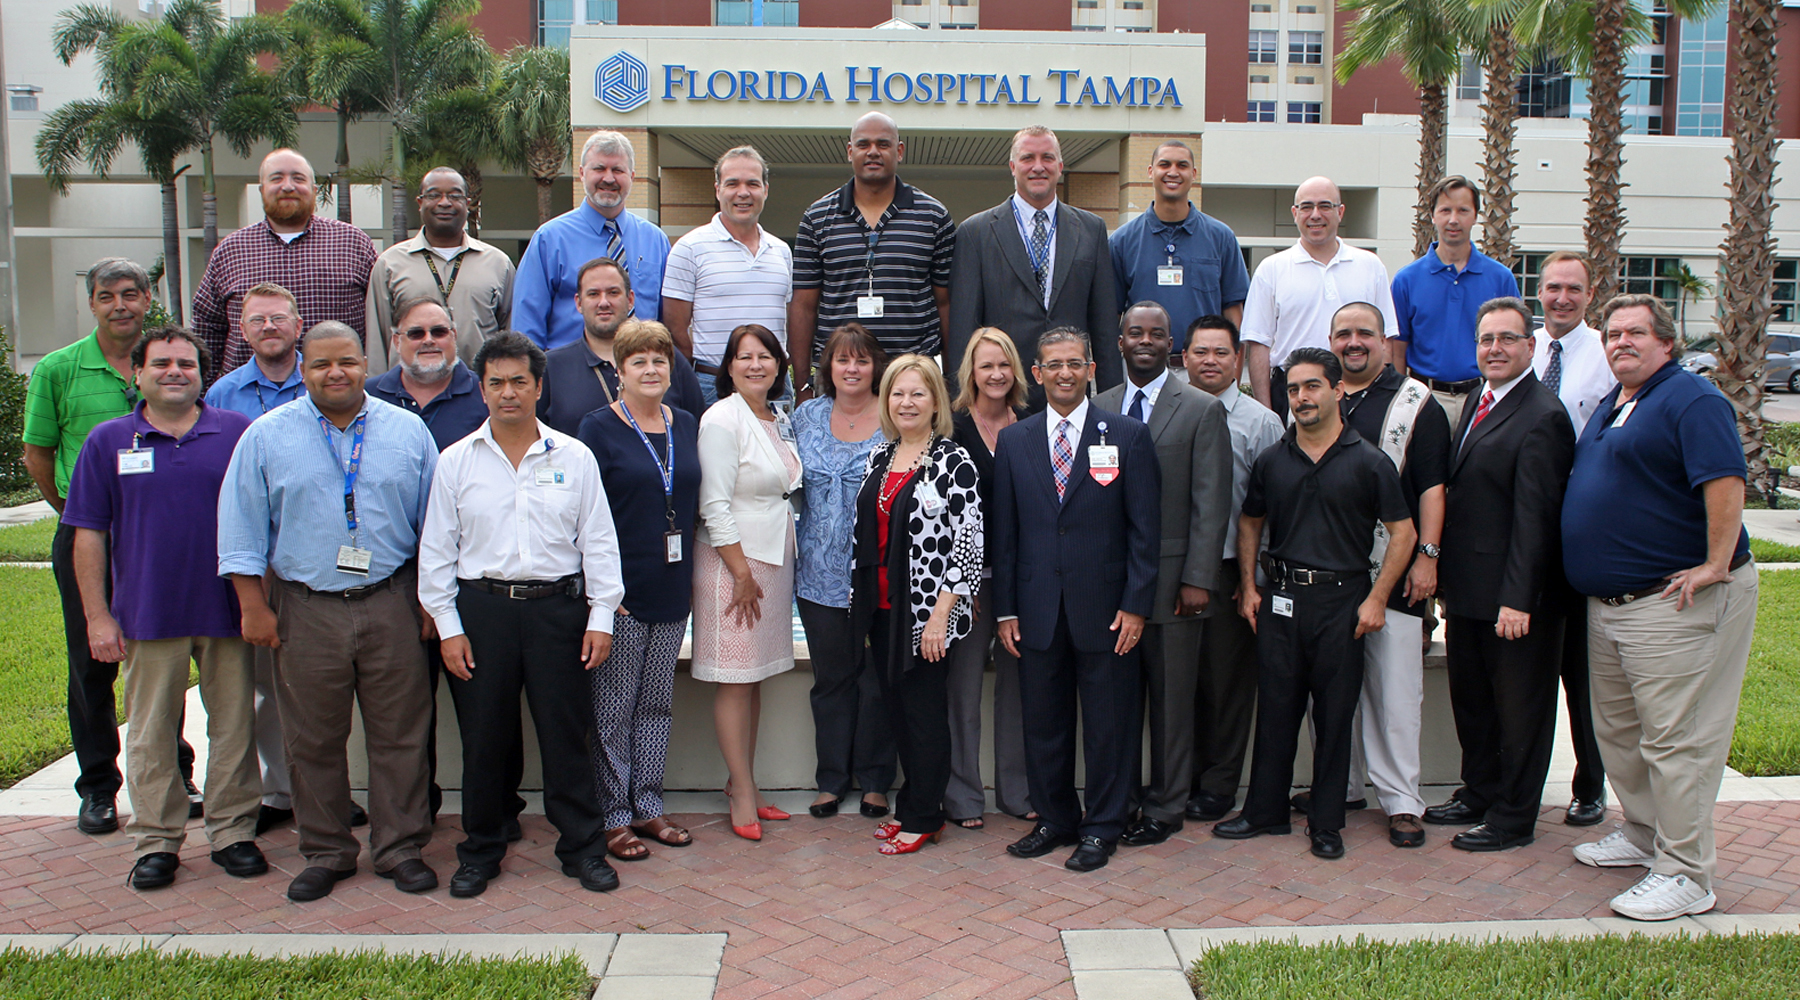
1213, 275
1435, 306
72, 391
903, 259
1322, 516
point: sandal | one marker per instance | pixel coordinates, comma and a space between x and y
972, 823
887, 831
663, 832
623, 844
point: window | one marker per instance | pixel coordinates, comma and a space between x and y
1651, 275
1306, 8
23, 96
1306, 80
557, 17
1262, 46
1525, 268
1261, 111
1303, 112
1262, 8
1700, 82
1133, 4
1786, 291
1088, 4
603, 11
766, 13
1468, 82
948, 26
1259, 78
912, 3
1306, 47
956, 3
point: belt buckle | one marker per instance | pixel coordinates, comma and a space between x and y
1304, 577
512, 591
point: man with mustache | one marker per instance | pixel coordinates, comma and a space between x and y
581, 377
324, 262
471, 279
544, 293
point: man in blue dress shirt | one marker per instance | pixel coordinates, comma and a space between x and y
544, 290
319, 520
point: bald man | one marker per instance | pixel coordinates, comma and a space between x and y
324, 262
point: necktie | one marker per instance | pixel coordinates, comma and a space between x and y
1137, 406
1553, 373
1062, 459
615, 246
1487, 403
1040, 248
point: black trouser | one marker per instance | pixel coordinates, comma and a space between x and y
93, 714
1225, 699
1313, 654
917, 697
1171, 658
850, 723
1590, 774
1503, 697
534, 646
1107, 684
515, 763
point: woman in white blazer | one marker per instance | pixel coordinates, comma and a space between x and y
744, 556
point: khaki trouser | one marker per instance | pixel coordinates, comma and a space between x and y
156, 681
1665, 687
1453, 403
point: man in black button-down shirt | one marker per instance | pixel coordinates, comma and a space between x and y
1321, 490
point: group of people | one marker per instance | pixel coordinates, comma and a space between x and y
644, 435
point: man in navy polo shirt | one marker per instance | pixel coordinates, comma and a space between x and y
1436, 296
429, 379
168, 607
1652, 527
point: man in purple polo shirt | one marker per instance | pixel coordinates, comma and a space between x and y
169, 606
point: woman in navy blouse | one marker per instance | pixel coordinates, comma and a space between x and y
835, 433
649, 462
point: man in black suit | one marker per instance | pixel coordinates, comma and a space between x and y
1077, 515
1498, 576
1032, 263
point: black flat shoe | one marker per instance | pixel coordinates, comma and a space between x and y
1585, 813
1455, 812
1302, 803
1090, 854
411, 875
1147, 831
1487, 838
269, 817
872, 810
512, 831
98, 815
1239, 828
315, 883
196, 804
357, 816
241, 860
1206, 807
472, 880
825, 810
1039, 842
153, 871
1327, 844
594, 874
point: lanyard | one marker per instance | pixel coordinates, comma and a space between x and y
352, 467
455, 269
1040, 263
874, 239
666, 469
600, 373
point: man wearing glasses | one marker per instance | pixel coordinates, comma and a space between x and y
1294, 293
471, 279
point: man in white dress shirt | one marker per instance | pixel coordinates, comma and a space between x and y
519, 568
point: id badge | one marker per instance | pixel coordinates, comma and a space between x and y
136, 461
354, 560
1168, 274
869, 306
1618, 421
1282, 605
551, 477
671, 547
929, 501
1103, 463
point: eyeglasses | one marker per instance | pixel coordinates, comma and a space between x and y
418, 333
1487, 340
1307, 207
1056, 366
450, 196
258, 322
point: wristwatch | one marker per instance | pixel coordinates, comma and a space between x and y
1429, 550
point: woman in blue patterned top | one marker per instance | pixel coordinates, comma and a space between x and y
835, 434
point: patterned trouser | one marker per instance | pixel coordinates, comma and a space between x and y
633, 695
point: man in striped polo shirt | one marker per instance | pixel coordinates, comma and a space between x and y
729, 272
876, 251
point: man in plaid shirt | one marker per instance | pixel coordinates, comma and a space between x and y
324, 262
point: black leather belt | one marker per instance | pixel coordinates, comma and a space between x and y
1638, 595
706, 369
1300, 576
528, 590
355, 593
1465, 385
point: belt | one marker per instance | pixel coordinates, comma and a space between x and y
1300, 576
528, 590
356, 593
1440, 386
1638, 595
706, 369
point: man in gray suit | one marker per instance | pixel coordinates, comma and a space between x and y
1193, 448
1031, 264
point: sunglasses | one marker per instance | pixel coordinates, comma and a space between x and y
418, 333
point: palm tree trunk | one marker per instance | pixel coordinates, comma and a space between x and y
343, 163
172, 250
472, 176
1499, 122
399, 190
1746, 258
1433, 116
209, 203
543, 192
1605, 223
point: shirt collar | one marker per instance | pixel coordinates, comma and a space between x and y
547, 440
1189, 225
89, 355
1478, 261
258, 375
1153, 391
598, 221
1501, 390
296, 236
1077, 419
846, 198
723, 235
1230, 397
1026, 210
206, 423
1582, 329
593, 360
418, 244
313, 408
1345, 439
1342, 254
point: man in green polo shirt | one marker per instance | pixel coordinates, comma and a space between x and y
70, 392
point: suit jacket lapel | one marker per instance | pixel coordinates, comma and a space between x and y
1167, 402
1507, 405
1038, 438
1066, 237
1012, 246
1078, 473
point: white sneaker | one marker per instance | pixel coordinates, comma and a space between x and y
1612, 851
1663, 897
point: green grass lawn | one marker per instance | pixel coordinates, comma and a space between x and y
27, 542
1774, 552
1609, 968
34, 674
1767, 740
149, 975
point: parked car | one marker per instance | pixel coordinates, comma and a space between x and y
1781, 367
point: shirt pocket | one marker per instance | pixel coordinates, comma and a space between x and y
1202, 273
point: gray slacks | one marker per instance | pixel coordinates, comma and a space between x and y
966, 798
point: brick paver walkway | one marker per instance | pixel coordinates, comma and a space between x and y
813, 911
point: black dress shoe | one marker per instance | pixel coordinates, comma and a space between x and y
315, 883
1404, 830
1327, 844
411, 875
153, 871
594, 874
872, 810
357, 816
1489, 838
1586, 813
825, 810
241, 860
1302, 803
1455, 812
196, 804
1239, 828
1090, 854
512, 831
1207, 807
471, 880
270, 817
98, 815
1148, 830
1039, 842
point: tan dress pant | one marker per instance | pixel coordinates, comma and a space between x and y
156, 682
1665, 685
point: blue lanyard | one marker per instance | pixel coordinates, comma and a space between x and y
351, 467
1040, 263
666, 469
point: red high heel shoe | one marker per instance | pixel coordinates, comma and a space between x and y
752, 831
772, 813
894, 845
886, 831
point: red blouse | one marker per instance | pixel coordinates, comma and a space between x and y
890, 488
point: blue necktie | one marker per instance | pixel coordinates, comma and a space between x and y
1137, 406
1553, 374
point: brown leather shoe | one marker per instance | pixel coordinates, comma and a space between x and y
1405, 830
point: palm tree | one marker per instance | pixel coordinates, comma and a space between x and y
350, 102
463, 128
1420, 34
1688, 285
402, 53
532, 91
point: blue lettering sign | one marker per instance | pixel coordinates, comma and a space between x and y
870, 84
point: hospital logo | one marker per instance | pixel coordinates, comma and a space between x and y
622, 82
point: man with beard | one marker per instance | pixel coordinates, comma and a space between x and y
581, 376
544, 293
471, 279
324, 262
429, 380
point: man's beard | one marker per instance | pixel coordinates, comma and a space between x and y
430, 375
299, 213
